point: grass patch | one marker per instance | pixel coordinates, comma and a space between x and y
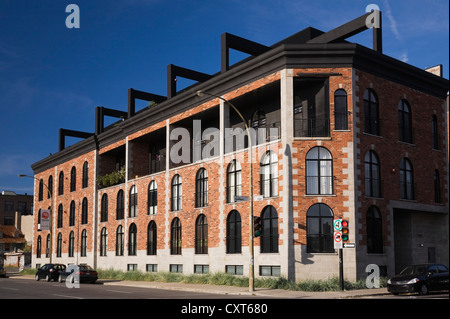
331, 284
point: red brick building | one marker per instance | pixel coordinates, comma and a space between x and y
340, 131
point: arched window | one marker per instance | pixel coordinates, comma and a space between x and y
72, 214
73, 179
103, 241
71, 244
120, 205
119, 241
152, 198
50, 187
371, 116
61, 183
104, 209
59, 245
84, 211
175, 237
41, 190
406, 179
319, 172
201, 235
151, 238
269, 231
374, 231
372, 172
39, 247
269, 174
234, 233
201, 188
83, 247
60, 216
176, 193
85, 180
234, 182
132, 240
47, 247
340, 110
259, 119
133, 202
319, 229
404, 122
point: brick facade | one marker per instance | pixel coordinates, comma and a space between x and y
275, 90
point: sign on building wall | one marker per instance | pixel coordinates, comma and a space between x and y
45, 219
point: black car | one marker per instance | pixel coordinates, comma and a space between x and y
79, 273
420, 278
2, 271
50, 271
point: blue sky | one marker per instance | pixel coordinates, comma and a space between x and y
53, 77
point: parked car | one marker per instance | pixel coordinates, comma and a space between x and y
2, 271
79, 273
50, 271
420, 278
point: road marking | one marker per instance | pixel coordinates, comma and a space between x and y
65, 296
122, 292
9, 288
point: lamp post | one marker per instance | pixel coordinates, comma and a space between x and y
51, 212
251, 273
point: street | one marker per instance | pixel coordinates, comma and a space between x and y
13, 288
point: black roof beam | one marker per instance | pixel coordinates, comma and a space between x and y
230, 41
101, 112
64, 132
173, 71
141, 95
354, 27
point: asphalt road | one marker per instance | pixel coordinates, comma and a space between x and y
11, 288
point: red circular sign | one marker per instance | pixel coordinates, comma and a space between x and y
337, 237
45, 215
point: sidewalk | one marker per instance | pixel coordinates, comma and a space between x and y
244, 291
237, 291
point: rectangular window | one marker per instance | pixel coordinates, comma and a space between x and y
234, 269
176, 268
132, 267
9, 206
270, 271
151, 267
201, 269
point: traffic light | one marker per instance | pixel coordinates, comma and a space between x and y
257, 226
345, 231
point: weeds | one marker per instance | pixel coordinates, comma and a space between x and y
331, 284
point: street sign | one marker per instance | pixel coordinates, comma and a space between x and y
337, 224
349, 245
45, 219
337, 240
241, 198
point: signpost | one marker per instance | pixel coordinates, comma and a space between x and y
45, 219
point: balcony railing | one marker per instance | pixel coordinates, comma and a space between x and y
311, 127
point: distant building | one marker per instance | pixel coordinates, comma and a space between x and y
342, 131
12, 207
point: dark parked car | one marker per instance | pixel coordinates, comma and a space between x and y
50, 271
420, 278
2, 271
79, 273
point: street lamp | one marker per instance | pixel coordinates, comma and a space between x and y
51, 211
251, 275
